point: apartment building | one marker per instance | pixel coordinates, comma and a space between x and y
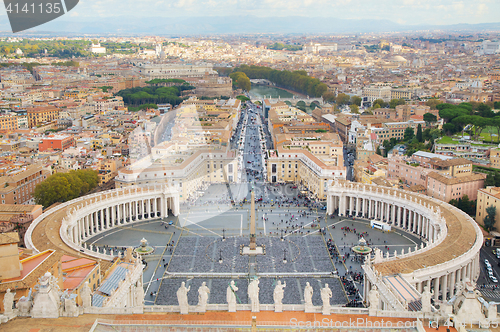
389, 130
18, 186
56, 142
301, 166
8, 123
401, 94
410, 173
186, 169
495, 158
41, 114
377, 91
462, 148
486, 197
446, 187
312, 161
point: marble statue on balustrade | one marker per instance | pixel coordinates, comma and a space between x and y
253, 295
8, 301
69, 305
279, 292
231, 296
129, 254
203, 292
426, 300
24, 306
374, 298
139, 295
182, 298
47, 299
308, 293
326, 294
86, 295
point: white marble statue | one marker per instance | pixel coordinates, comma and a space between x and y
279, 292
139, 295
85, 294
374, 298
70, 308
8, 301
129, 254
182, 298
308, 293
24, 306
253, 294
203, 292
426, 300
326, 294
231, 296
47, 302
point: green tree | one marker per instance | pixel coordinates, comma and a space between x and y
380, 102
61, 187
378, 151
409, 134
329, 97
342, 99
490, 180
489, 219
242, 98
354, 108
419, 133
432, 103
485, 111
105, 88
356, 100
241, 81
429, 118
396, 102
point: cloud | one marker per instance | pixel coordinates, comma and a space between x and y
406, 11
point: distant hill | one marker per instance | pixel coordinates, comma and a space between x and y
235, 24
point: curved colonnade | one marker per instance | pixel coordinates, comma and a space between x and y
450, 255
87, 216
452, 238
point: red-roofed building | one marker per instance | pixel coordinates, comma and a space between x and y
54, 142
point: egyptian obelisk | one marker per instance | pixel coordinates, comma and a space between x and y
252, 222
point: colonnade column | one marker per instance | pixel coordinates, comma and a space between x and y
445, 287
399, 216
404, 218
436, 289
452, 283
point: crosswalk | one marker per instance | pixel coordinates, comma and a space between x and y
491, 294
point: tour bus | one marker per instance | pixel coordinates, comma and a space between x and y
380, 225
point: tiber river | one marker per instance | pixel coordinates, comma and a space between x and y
259, 91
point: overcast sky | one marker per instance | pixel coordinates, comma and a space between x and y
408, 12
400, 11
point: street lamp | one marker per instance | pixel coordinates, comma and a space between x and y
223, 235
220, 256
284, 255
282, 239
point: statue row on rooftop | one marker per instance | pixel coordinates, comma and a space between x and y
253, 296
